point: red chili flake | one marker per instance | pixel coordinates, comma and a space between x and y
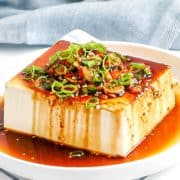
100, 54
80, 52
135, 89
103, 96
115, 74
80, 72
69, 74
65, 62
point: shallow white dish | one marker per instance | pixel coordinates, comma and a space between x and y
123, 171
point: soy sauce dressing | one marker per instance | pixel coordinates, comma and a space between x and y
37, 150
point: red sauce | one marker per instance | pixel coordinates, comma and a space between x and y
42, 151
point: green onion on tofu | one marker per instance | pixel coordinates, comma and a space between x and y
88, 70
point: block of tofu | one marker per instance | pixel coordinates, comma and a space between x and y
115, 128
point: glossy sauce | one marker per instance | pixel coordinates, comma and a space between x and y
42, 151
157, 70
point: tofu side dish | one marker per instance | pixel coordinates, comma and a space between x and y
87, 97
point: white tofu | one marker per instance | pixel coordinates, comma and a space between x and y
116, 128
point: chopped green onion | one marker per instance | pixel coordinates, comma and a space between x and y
63, 91
92, 102
114, 83
123, 58
65, 54
112, 56
139, 66
125, 79
148, 72
41, 81
53, 58
106, 67
32, 72
113, 88
90, 63
145, 70
68, 53
87, 69
90, 46
76, 154
98, 76
56, 87
92, 88
69, 89
61, 70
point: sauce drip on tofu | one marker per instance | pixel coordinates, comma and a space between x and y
37, 150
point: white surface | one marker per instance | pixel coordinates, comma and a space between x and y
22, 102
13, 59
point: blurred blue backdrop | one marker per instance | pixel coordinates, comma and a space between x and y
43, 22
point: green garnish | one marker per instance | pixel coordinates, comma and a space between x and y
91, 46
76, 154
123, 58
125, 79
92, 62
148, 72
92, 88
53, 58
61, 70
98, 76
42, 81
87, 69
144, 70
69, 89
106, 63
31, 72
56, 87
113, 83
92, 102
63, 90
138, 66
67, 54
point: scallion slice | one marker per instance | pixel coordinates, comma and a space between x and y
89, 63
90, 46
139, 66
61, 70
106, 63
68, 53
53, 58
98, 76
92, 88
41, 81
92, 102
56, 87
69, 89
76, 154
32, 72
123, 58
125, 79
147, 72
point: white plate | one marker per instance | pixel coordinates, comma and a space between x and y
123, 171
